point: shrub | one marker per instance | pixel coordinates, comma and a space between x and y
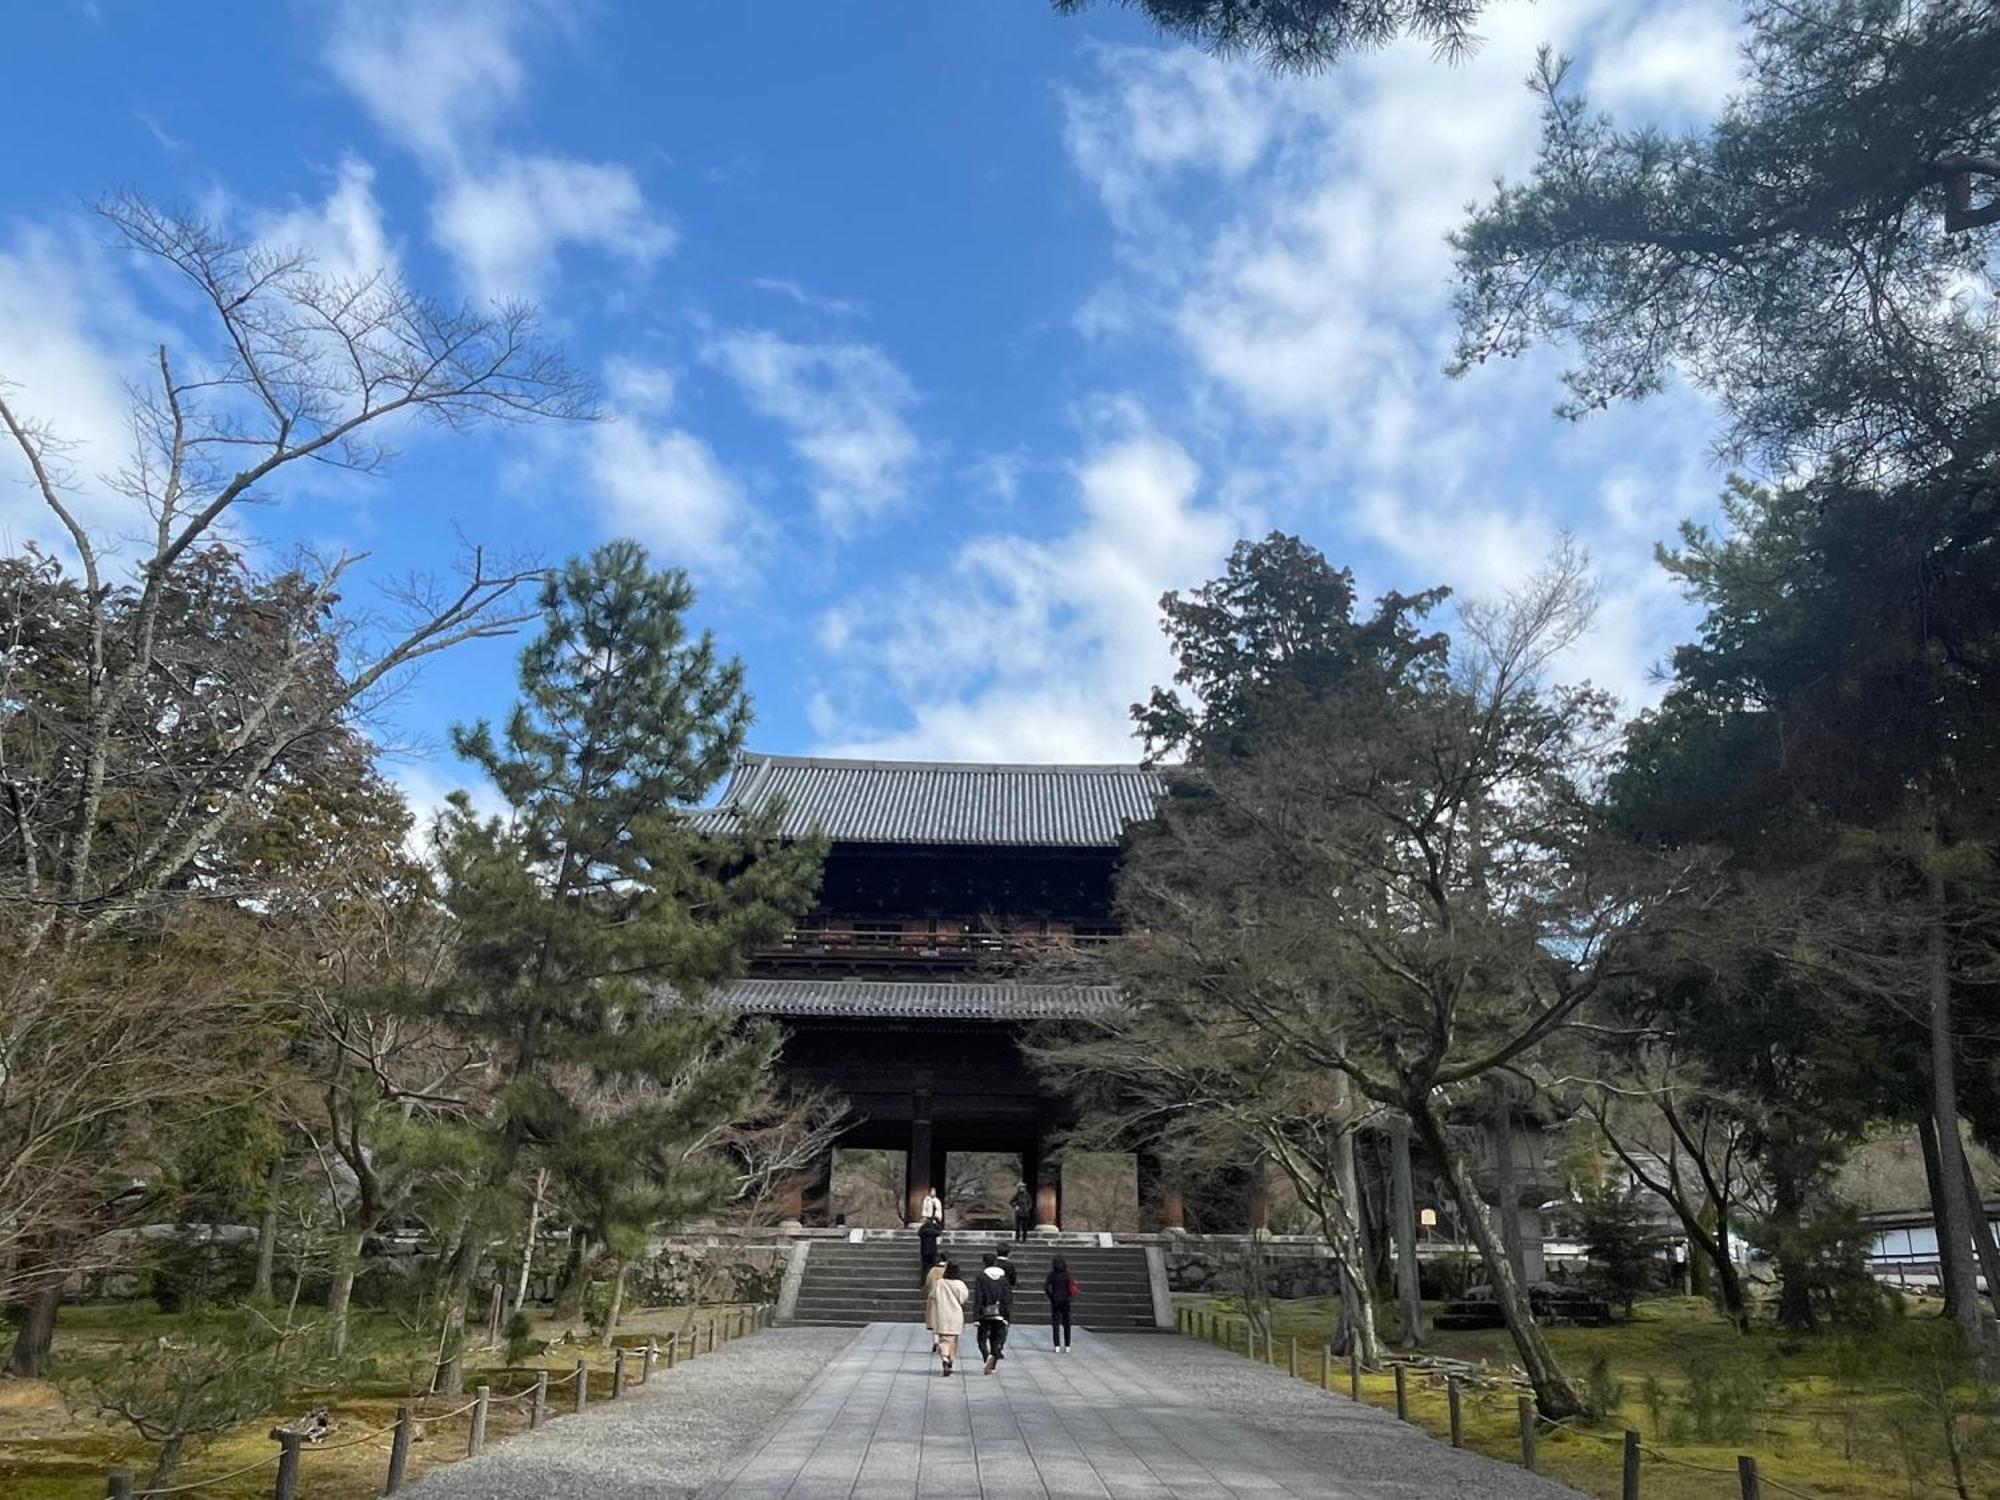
520, 1336
1723, 1396
1606, 1393
1622, 1242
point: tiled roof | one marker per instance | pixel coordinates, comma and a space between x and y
922, 802
917, 1000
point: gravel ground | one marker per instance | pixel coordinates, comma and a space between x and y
667, 1438
1362, 1450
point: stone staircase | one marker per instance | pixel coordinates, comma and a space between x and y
876, 1280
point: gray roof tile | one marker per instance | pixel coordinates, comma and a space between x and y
918, 1000
920, 802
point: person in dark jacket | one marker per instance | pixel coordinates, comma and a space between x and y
993, 1305
1060, 1288
927, 1248
1024, 1205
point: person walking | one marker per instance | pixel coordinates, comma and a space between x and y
1024, 1205
931, 1279
933, 1212
944, 1311
1060, 1288
993, 1304
927, 1248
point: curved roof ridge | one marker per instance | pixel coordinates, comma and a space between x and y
944, 802
846, 763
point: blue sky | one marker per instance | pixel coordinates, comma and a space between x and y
935, 341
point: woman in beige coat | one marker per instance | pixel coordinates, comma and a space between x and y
931, 1278
944, 1312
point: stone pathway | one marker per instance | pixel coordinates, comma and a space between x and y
1124, 1416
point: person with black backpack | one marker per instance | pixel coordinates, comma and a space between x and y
993, 1305
1060, 1288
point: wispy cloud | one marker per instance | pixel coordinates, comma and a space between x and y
843, 406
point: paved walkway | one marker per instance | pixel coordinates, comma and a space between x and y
1123, 1416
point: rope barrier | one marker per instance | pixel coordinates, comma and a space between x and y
196, 1484
1669, 1458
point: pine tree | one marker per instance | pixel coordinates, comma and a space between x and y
596, 916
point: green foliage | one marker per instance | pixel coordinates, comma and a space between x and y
186, 1386
1603, 1390
1303, 36
1939, 1422
1658, 1401
1721, 1398
520, 1336
1825, 1257
595, 918
1622, 1242
1796, 259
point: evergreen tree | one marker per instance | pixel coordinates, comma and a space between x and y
1303, 36
595, 917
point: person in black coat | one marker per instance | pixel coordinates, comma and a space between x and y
1060, 1288
1024, 1205
927, 1248
993, 1305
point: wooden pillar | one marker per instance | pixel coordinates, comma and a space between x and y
1162, 1204
917, 1160
817, 1208
1260, 1197
1046, 1180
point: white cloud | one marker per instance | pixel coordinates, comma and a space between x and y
505, 227
345, 235
843, 405
1285, 240
70, 338
440, 80
1033, 647
431, 75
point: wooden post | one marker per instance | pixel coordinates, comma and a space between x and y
582, 1385
1746, 1476
1249, 1338
1526, 1408
118, 1485
646, 1365
1354, 1374
399, 1450
1293, 1365
475, 1442
1451, 1395
673, 1348
617, 1372
286, 1485
538, 1407
1326, 1365
1402, 1393
1631, 1488
711, 1336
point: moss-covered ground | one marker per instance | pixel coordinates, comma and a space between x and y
50, 1450
1824, 1415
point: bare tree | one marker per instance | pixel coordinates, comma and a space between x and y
1410, 885
312, 372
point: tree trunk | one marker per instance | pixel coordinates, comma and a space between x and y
616, 1309
267, 1237
1553, 1396
528, 1242
1927, 1140
1403, 1221
1953, 1221
168, 1460
1982, 1234
450, 1377
1506, 1191
37, 1333
570, 1285
1795, 1309
340, 1293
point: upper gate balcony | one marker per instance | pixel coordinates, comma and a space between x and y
833, 943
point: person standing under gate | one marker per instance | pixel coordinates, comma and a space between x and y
1024, 1205
927, 1248
993, 1304
933, 1210
944, 1311
1060, 1288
